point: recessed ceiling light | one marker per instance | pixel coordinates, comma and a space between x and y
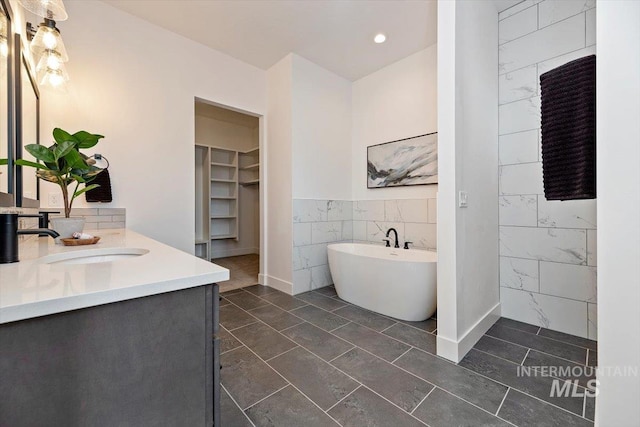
380, 38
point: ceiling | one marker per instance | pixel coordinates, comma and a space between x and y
337, 34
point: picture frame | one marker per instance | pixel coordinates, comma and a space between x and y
404, 162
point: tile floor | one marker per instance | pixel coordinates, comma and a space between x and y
243, 269
315, 360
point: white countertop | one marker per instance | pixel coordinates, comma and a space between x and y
32, 288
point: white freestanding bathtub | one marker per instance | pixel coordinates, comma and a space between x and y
400, 283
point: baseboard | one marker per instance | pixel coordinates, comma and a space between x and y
281, 285
262, 279
456, 350
223, 253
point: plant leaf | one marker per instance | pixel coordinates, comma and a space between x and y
78, 178
49, 175
41, 152
86, 139
75, 160
23, 162
85, 189
62, 135
63, 148
4, 161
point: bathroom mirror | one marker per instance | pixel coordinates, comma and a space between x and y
6, 105
27, 129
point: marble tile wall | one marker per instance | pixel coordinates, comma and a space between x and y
100, 218
316, 223
547, 248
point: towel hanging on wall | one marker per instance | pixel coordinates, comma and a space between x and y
102, 193
569, 130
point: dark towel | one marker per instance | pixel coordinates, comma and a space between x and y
102, 193
569, 130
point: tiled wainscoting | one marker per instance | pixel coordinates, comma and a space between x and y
317, 223
547, 248
100, 218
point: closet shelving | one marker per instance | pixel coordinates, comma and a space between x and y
220, 172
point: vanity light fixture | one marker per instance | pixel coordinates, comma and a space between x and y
380, 38
50, 9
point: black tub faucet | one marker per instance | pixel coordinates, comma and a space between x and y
9, 235
396, 245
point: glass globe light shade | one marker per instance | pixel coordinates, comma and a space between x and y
53, 78
50, 9
48, 39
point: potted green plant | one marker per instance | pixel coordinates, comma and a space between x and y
63, 164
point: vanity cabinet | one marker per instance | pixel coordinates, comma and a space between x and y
139, 362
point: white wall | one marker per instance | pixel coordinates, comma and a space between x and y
618, 109
135, 83
277, 173
547, 252
396, 102
321, 118
468, 297
219, 133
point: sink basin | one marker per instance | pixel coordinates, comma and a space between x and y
93, 256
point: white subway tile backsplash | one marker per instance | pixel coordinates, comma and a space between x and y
89, 212
518, 25
591, 27
544, 244
550, 12
592, 316
569, 281
325, 232
559, 314
309, 210
518, 210
519, 84
520, 147
301, 234
517, 8
521, 179
111, 211
519, 116
592, 247
111, 225
519, 273
554, 40
339, 210
368, 210
567, 214
411, 210
433, 211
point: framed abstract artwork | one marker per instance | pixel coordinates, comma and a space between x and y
410, 161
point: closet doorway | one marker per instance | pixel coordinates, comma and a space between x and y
227, 184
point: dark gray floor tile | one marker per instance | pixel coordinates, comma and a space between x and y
565, 369
263, 340
259, 290
401, 388
321, 301
365, 408
372, 341
245, 300
232, 317
428, 325
514, 324
569, 339
319, 317
248, 378
227, 341
364, 317
536, 342
526, 411
231, 292
223, 302
507, 373
413, 336
284, 301
230, 414
593, 358
506, 350
327, 291
590, 408
468, 385
319, 342
314, 377
275, 317
288, 408
442, 409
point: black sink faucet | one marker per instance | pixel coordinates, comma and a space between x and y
396, 245
9, 233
